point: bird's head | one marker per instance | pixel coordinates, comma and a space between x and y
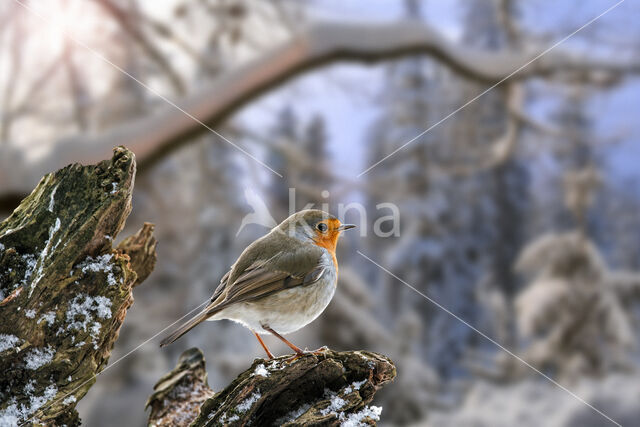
315, 226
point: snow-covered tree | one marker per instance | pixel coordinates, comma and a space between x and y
573, 311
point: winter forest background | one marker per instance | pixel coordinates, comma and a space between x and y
519, 213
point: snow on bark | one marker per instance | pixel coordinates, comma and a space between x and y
64, 290
334, 388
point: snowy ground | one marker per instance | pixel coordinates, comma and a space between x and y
537, 402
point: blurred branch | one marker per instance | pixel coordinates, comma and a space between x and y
17, 34
506, 11
537, 125
502, 148
125, 20
23, 107
289, 17
79, 93
163, 30
626, 284
156, 135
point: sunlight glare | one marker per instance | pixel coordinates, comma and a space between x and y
63, 20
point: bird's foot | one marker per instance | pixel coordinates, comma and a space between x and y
298, 355
319, 352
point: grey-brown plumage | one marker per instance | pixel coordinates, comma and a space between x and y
286, 258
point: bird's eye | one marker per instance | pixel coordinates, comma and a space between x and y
322, 227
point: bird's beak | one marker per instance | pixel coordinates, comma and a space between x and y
346, 227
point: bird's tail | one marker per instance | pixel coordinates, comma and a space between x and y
186, 327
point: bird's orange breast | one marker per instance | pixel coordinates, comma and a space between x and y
329, 240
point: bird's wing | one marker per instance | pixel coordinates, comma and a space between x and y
222, 285
266, 276
298, 265
225, 279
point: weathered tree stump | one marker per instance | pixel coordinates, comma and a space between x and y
64, 291
327, 390
178, 395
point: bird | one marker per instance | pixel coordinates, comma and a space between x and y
281, 282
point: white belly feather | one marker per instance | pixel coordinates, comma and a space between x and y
288, 310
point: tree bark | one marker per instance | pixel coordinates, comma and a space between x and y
154, 136
64, 290
326, 390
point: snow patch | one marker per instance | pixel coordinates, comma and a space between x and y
354, 386
335, 405
99, 264
30, 266
30, 314
45, 252
95, 331
51, 198
224, 420
357, 384
261, 371
48, 317
293, 415
247, 403
68, 400
274, 365
83, 305
80, 315
355, 420
14, 414
30, 387
37, 358
8, 341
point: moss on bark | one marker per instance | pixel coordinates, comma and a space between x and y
325, 390
178, 395
64, 291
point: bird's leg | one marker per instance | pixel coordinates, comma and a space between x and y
299, 352
284, 340
263, 345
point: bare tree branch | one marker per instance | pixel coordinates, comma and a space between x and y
42, 81
154, 136
124, 19
76, 88
17, 33
165, 31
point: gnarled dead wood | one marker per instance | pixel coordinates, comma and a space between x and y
327, 390
64, 291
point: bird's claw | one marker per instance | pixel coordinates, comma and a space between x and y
306, 352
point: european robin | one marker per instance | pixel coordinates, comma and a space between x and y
281, 282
